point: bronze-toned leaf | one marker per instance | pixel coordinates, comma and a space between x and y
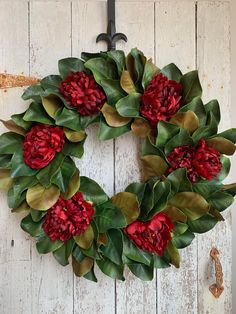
82, 268
102, 239
5, 179
127, 83
85, 239
74, 136
154, 166
191, 203
187, 120
22, 208
10, 80
73, 186
141, 128
175, 214
112, 117
10, 125
221, 144
128, 203
51, 104
41, 198
174, 255
216, 214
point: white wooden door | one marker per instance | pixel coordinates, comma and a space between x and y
33, 36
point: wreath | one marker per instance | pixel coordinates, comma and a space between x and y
182, 153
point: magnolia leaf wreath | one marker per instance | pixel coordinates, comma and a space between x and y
183, 158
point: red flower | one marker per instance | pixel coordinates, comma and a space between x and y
82, 92
41, 144
68, 218
161, 100
152, 236
200, 161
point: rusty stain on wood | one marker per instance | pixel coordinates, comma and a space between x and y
11, 80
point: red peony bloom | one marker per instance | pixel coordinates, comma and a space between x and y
161, 100
200, 161
41, 144
68, 218
82, 92
152, 236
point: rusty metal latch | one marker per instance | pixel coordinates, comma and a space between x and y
217, 288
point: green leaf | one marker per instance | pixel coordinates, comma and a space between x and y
74, 149
63, 253
33, 92
68, 65
214, 107
174, 254
172, 72
129, 106
191, 86
37, 215
149, 149
111, 269
102, 69
85, 239
154, 166
91, 252
73, 185
85, 121
82, 268
18, 119
137, 188
41, 198
51, 81
165, 132
183, 240
229, 135
223, 145
92, 191
18, 166
191, 203
108, 216
37, 113
150, 70
91, 275
206, 131
10, 142
45, 245
32, 227
63, 175
128, 204
225, 168
112, 90
5, 161
179, 181
230, 188
66, 117
131, 251
24, 207
182, 138
203, 224
139, 62
196, 105
45, 175
179, 228
160, 261
16, 194
118, 57
114, 248
51, 105
107, 132
141, 271
220, 200
88, 55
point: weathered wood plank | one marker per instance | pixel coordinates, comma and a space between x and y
97, 162
15, 259
133, 295
50, 40
214, 66
175, 42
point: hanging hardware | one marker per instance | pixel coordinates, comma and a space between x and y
217, 288
111, 37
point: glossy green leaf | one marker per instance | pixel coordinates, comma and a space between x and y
63, 175
183, 240
174, 255
102, 69
196, 105
207, 131
18, 166
118, 57
63, 253
191, 86
45, 245
214, 107
66, 117
165, 132
5, 161
141, 271
203, 224
33, 92
73, 185
91, 275
220, 200
229, 134
18, 119
111, 269
37, 215
37, 113
107, 132
114, 247
172, 72
32, 227
150, 70
68, 65
74, 149
51, 81
108, 216
160, 262
92, 191
112, 90
82, 268
10, 142
129, 106
182, 138
137, 188
128, 204
85, 239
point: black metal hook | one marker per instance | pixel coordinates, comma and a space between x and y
111, 37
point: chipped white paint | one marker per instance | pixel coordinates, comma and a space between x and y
32, 37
